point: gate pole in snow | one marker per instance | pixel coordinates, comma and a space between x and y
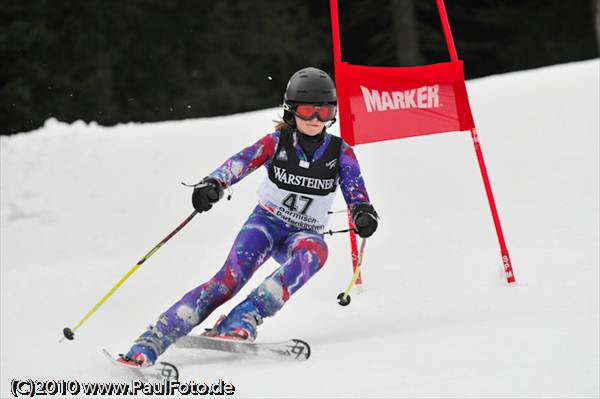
354, 249
337, 59
508, 270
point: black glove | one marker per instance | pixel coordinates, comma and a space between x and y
364, 219
206, 193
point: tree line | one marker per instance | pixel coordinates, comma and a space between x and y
115, 61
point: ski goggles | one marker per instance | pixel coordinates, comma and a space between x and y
306, 112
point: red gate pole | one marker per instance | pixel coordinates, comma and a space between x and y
354, 249
337, 60
335, 33
508, 270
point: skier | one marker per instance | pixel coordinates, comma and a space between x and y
305, 165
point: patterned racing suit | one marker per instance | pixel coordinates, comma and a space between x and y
300, 252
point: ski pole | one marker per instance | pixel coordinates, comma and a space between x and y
69, 332
344, 297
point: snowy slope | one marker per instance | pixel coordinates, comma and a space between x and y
81, 204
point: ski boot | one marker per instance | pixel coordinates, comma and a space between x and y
239, 325
145, 349
138, 356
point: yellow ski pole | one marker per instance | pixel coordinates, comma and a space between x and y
69, 332
344, 297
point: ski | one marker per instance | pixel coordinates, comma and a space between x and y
157, 372
294, 349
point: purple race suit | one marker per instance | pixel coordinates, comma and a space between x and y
300, 252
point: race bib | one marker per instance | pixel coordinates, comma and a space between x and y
309, 212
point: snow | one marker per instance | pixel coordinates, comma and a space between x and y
81, 204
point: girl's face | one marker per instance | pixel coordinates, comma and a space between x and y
311, 127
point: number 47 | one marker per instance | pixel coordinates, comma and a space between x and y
291, 200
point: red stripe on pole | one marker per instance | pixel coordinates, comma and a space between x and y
354, 248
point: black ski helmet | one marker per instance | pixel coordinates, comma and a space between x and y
308, 85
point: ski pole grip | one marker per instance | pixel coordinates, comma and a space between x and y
215, 189
213, 195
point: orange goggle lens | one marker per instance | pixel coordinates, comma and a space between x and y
323, 112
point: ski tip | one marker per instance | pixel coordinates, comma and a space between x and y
120, 360
300, 350
158, 371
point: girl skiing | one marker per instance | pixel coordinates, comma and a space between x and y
305, 165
